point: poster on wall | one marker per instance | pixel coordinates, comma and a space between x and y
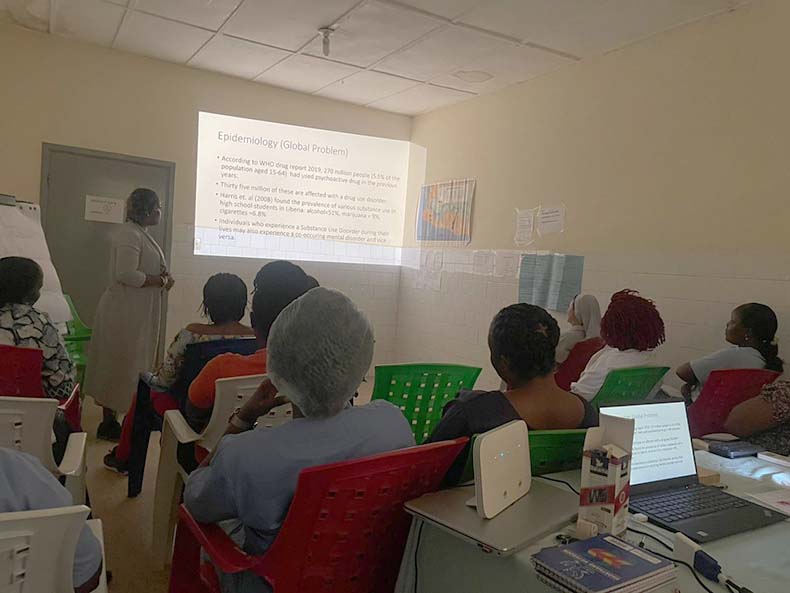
550, 280
444, 212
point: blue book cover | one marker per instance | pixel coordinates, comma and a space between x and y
600, 564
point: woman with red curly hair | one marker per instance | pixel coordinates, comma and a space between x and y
632, 328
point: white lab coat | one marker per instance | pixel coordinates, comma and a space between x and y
126, 326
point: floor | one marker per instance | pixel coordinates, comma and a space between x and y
127, 521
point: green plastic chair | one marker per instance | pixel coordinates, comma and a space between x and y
422, 390
629, 385
550, 451
77, 338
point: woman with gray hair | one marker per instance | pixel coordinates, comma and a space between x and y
319, 349
126, 325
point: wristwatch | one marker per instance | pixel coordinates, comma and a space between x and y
239, 422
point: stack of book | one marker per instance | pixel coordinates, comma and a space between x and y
603, 564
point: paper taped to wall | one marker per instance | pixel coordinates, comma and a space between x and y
525, 226
551, 219
100, 209
550, 280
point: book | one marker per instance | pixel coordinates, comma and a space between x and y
603, 564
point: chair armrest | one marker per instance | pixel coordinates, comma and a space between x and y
671, 391
73, 461
179, 427
224, 553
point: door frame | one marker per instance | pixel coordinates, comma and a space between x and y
48, 150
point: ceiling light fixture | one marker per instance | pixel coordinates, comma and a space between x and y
473, 75
325, 33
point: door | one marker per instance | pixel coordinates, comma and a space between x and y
80, 248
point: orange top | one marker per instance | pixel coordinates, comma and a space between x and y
201, 390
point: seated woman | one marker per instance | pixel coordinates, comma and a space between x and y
764, 420
319, 349
522, 339
584, 315
21, 324
224, 303
632, 328
751, 331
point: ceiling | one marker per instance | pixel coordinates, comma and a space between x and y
404, 56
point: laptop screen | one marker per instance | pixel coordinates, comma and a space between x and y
662, 443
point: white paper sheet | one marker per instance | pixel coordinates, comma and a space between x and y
777, 499
550, 220
525, 226
506, 264
21, 235
101, 209
483, 263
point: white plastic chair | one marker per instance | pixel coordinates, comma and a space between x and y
37, 549
26, 425
171, 477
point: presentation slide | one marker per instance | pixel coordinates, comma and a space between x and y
270, 190
662, 446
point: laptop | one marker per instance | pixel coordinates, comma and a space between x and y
664, 484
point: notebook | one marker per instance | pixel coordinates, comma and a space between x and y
602, 564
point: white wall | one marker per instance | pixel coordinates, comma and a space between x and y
66, 92
671, 157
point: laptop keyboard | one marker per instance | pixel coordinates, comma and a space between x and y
677, 505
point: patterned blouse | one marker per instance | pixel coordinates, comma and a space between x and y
27, 327
776, 439
166, 374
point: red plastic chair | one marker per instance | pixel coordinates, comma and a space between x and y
72, 409
20, 372
721, 393
345, 530
572, 367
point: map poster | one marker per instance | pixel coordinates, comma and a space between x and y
445, 211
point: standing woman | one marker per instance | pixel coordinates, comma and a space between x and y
126, 327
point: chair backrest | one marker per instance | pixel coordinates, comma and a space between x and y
550, 451
197, 355
421, 390
346, 527
629, 385
230, 393
76, 327
37, 549
572, 367
26, 425
724, 390
72, 409
20, 372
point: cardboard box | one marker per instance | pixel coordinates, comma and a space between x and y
605, 477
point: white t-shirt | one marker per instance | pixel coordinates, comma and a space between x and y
605, 360
732, 357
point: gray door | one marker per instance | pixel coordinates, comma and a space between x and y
80, 248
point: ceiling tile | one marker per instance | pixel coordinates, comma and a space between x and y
201, 13
447, 8
287, 24
374, 31
420, 99
89, 20
442, 52
366, 87
159, 38
237, 57
511, 65
305, 73
582, 27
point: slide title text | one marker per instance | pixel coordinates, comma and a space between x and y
284, 144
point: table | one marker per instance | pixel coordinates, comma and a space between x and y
760, 559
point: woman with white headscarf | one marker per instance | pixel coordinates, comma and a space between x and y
584, 315
318, 352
